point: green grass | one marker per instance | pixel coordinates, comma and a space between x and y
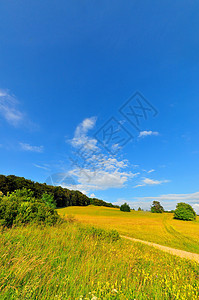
72, 261
157, 228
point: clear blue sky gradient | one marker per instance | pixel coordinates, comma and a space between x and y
66, 61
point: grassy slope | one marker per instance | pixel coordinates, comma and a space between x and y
158, 228
64, 263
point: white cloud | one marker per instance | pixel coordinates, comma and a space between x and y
196, 208
8, 108
44, 167
80, 137
89, 180
149, 181
150, 171
99, 171
193, 197
147, 133
28, 147
10, 111
92, 195
168, 201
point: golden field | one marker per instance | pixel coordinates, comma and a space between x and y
67, 263
158, 228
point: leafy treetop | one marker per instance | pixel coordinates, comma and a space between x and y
184, 212
157, 207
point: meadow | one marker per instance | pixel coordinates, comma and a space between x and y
158, 228
68, 261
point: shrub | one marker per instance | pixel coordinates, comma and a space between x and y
20, 207
125, 207
184, 212
156, 207
48, 199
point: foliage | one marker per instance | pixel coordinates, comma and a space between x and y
48, 200
139, 209
20, 207
62, 197
184, 212
157, 207
98, 202
63, 262
125, 207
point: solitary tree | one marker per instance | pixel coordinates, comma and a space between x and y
184, 212
125, 207
156, 207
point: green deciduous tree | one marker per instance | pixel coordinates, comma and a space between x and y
125, 207
184, 212
156, 207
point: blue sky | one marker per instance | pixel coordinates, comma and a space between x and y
67, 68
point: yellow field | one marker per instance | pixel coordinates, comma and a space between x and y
67, 262
158, 228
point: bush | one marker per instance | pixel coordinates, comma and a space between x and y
48, 199
184, 212
125, 207
20, 207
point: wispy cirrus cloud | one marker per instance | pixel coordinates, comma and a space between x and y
147, 133
150, 171
12, 113
9, 108
149, 181
28, 147
44, 167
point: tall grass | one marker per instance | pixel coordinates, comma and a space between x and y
71, 261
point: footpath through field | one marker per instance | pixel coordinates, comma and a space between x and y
181, 253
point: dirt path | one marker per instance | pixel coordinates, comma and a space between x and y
181, 253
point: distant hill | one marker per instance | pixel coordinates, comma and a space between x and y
63, 196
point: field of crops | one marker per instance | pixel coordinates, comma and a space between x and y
158, 228
69, 262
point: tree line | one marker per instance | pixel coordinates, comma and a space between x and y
63, 197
